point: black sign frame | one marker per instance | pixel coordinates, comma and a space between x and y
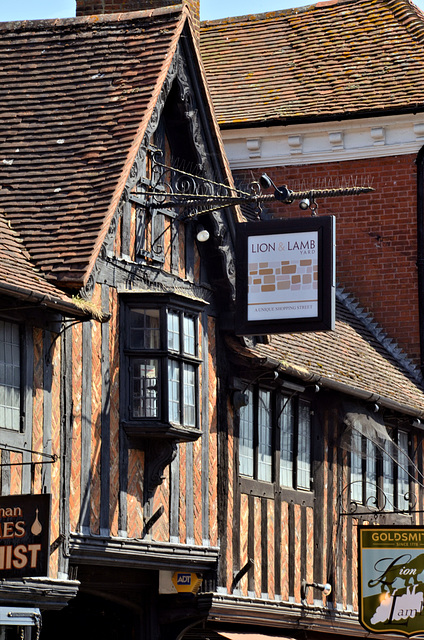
24, 535
324, 318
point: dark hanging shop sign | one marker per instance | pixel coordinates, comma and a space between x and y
391, 579
285, 278
24, 535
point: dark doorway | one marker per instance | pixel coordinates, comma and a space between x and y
87, 617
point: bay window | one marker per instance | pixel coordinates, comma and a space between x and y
161, 347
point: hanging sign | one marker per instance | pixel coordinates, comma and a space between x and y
24, 535
391, 579
285, 275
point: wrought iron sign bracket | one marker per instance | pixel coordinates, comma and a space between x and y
191, 195
50, 458
377, 504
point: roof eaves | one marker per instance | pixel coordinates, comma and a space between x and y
309, 377
67, 306
319, 117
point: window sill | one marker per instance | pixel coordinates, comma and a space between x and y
271, 490
160, 430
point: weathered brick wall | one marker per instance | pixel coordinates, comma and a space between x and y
376, 235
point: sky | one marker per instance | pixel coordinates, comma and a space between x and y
209, 9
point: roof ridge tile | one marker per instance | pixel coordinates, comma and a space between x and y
34, 25
409, 15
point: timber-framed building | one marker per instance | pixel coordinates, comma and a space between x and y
196, 478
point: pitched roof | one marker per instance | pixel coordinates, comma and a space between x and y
331, 59
20, 279
75, 98
350, 359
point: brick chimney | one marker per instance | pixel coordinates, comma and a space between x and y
96, 7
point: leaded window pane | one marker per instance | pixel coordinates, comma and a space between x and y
265, 437
144, 382
286, 441
189, 335
304, 447
173, 331
144, 329
403, 476
189, 396
246, 441
356, 486
174, 391
388, 482
371, 473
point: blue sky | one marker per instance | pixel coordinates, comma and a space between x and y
209, 9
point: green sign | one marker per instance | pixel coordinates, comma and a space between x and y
391, 579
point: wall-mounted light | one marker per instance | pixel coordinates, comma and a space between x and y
325, 588
202, 234
240, 399
283, 194
266, 182
304, 204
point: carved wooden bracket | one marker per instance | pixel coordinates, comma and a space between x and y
159, 454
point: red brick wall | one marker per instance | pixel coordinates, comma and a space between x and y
376, 235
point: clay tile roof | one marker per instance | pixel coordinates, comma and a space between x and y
350, 359
75, 97
327, 60
20, 279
